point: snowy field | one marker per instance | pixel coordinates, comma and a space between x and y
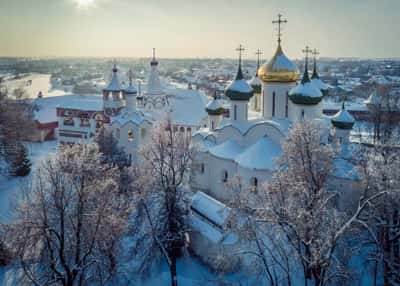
10, 187
39, 83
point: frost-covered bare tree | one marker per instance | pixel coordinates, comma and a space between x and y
160, 192
380, 163
298, 207
67, 230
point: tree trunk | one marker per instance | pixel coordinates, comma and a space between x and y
172, 269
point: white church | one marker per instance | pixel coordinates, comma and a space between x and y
246, 144
129, 114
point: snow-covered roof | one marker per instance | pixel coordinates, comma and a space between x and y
255, 81
114, 84
126, 116
227, 150
186, 106
209, 207
86, 103
215, 104
45, 108
343, 116
374, 99
261, 155
306, 89
240, 85
319, 84
131, 89
343, 119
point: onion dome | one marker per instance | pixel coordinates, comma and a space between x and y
131, 88
343, 119
215, 106
315, 80
279, 69
239, 89
255, 82
114, 84
305, 92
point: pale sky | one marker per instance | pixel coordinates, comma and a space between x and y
202, 28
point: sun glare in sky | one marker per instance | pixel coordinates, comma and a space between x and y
84, 3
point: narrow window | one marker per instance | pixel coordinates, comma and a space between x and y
202, 168
287, 105
225, 176
302, 113
117, 133
254, 183
273, 104
130, 135
212, 125
235, 112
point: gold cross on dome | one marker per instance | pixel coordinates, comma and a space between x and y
279, 22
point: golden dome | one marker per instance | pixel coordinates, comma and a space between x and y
279, 69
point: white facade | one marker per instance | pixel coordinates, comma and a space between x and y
275, 99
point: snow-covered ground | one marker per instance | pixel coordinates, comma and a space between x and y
10, 187
33, 84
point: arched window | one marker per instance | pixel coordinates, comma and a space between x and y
212, 125
189, 130
130, 135
175, 129
182, 129
254, 183
273, 104
224, 176
302, 113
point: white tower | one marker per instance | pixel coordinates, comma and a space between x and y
239, 92
154, 84
278, 76
130, 95
113, 95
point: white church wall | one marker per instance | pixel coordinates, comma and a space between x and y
217, 179
299, 111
